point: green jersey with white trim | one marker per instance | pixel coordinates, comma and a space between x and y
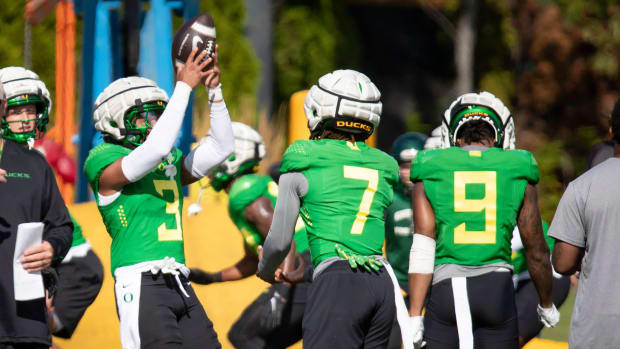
144, 221
399, 235
78, 238
476, 196
519, 260
245, 190
349, 187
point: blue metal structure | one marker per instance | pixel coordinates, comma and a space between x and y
102, 61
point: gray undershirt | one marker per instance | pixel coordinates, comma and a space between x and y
292, 187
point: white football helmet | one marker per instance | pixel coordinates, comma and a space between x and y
500, 119
435, 141
249, 151
125, 95
22, 86
345, 100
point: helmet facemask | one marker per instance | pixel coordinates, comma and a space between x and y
40, 120
149, 112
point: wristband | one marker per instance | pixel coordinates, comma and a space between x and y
215, 94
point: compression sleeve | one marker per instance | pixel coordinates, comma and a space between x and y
214, 149
160, 141
292, 187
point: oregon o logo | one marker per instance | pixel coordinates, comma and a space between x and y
128, 297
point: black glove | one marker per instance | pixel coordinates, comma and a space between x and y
274, 308
202, 277
50, 280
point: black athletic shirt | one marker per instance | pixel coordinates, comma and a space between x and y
30, 195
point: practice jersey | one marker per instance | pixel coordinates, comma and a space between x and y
519, 261
78, 238
399, 235
245, 190
145, 220
349, 187
476, 196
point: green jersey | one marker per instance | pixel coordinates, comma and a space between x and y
519, 261
349, 187
78, 238
399, 235
476, 196
242, 193
145, 220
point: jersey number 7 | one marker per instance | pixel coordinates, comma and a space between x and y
488, 203
372, 177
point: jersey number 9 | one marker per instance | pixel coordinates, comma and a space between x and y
488, 203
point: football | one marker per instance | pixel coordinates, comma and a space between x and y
198, 32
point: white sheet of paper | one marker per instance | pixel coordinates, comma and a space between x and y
27, 285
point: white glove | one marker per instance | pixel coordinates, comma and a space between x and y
548, 316
417, 328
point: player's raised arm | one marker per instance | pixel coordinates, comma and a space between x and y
537, 254
159, 133
220, 142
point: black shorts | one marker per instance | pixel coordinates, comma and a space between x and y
159, 315
349, 308
479, 311
247, 332
527, 301
79, 282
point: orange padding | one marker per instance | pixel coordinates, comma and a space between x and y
64, 101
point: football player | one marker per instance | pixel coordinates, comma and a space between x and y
341, 187
273, 320
137, 176
466, 200
399, 216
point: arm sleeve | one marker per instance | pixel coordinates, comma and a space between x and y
157, 146
215, 149
58, 226
568, 224
293, 186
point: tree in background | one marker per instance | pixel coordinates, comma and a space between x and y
237, 59
43, 43
311, 38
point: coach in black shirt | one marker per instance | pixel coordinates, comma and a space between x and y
28, 193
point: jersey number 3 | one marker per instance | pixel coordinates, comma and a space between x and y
372, 177
163, 233
488, 203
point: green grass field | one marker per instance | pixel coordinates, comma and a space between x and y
560, 332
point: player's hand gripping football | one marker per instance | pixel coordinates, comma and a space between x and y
2, 178
213, 74
191, 72
548, 316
